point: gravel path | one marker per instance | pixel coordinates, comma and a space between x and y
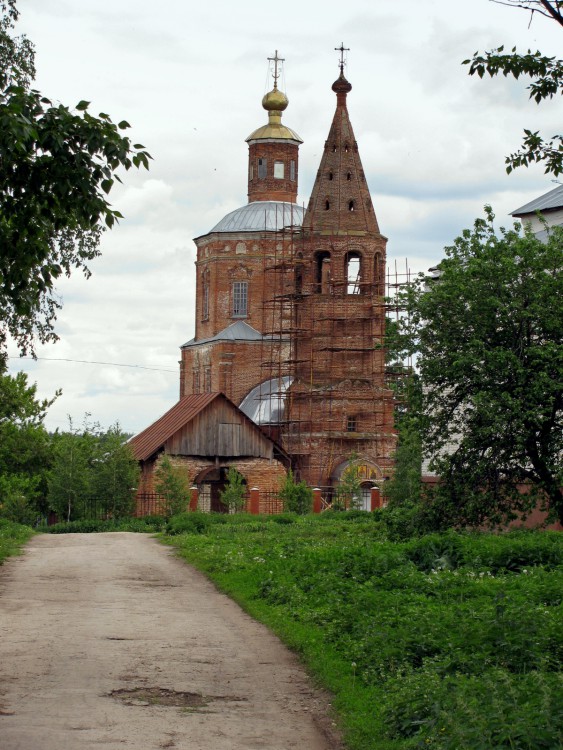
108, 640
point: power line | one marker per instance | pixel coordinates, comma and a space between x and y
95, 362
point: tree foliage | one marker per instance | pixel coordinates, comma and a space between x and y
172, 483
70, 478
405, 484
57, 168
234, 493
94, 473
25, 450
546, 74
488, 335
297, 496
115, 474
349, 488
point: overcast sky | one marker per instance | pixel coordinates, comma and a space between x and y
190, 77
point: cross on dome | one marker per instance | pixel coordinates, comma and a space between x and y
276, 74
342, 49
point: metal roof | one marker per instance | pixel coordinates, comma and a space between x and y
265, 404
149, 440
274, 131
259, 216
547, 202
239, 331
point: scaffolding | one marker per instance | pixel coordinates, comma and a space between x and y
324, 344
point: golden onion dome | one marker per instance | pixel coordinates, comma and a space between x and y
275, 100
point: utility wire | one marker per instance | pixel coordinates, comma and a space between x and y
94, 362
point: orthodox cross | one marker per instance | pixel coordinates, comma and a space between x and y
342, 49
275, 59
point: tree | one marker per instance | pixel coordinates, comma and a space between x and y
70, 478
58, 165
349, 490
234, 494
546, 74
172, 483
297, 496
405, 484
488, 334
115, 474
25, 450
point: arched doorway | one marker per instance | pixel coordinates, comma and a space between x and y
210, 483
368, 473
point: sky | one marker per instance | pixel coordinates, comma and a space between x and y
189, 78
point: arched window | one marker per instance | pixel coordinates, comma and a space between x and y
351, 206
353, 271
327, 205
349, 176
331, 175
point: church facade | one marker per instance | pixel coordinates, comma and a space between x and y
290, 308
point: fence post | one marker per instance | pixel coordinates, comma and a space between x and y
193, 498
317, 500
255, 501
376, 498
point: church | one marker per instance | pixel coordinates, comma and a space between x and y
287, 364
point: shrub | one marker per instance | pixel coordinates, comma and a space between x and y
436, 551
172, 483
188, 523
297, 496
234, 494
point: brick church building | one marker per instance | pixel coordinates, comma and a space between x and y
290, 309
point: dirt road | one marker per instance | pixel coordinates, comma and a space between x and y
108, 640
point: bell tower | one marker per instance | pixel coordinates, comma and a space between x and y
340, 406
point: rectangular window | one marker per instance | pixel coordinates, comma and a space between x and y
240, 299
262, 169
278, 170
351, 424
292, 171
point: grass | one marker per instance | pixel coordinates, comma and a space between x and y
12, 538
447, 641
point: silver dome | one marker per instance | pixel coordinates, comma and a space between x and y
265, 404
258, 216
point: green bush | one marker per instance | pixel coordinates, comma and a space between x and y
188, 523
436, 551
145, 524
495, 710
233, 496
297, 496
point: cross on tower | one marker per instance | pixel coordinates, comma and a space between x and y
342, 49
275, 59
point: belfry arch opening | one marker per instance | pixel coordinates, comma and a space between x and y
353, 272
322, 272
